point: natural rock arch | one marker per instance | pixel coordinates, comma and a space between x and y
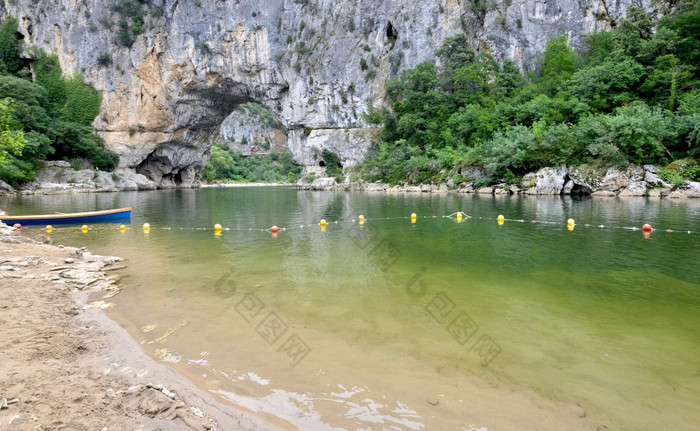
173, 110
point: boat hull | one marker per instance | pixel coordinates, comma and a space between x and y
107, 216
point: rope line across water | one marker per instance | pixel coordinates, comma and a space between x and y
459, 216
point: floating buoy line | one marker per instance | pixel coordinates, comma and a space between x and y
458, 217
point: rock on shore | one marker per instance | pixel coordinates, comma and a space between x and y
59, 177
562, 180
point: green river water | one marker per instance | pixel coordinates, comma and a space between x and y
401, 326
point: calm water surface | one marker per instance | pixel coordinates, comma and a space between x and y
366, 327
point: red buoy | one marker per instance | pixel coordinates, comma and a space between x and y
17, 226
646, 227
274, 229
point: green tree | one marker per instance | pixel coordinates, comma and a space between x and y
11, 141
48, 74
10, 47
609, 84
82, 101
454, 54
220, 165
508, 79
558, 63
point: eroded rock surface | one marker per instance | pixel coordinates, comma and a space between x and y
315, 65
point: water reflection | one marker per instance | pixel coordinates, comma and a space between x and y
367, 326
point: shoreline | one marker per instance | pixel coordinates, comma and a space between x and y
226, 185
67, 364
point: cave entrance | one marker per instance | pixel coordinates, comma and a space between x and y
391, 33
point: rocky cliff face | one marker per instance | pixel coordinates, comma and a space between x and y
314, 64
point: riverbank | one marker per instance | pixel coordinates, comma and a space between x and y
633, 181
65, 364
246, 185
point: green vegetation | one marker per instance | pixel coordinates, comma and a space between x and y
231, 166
131, 19
48, 118
11, 141
333, 166
631, 96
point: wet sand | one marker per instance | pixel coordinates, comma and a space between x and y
65, 365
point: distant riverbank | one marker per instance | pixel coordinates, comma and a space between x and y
247, 185
633, 181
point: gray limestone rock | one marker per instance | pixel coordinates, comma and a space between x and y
654, 180
636, 188
548, 181
167, 94
614, 180
586, 179
690, 189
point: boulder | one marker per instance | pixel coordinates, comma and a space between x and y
548, 181
659, 193
614, 180
635, 173
677, 194
654, 180
690, 189
6, 188
484, 190
586, 179
475, 173
465, 188
636, 188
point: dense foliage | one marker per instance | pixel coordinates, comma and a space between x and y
631, 96
53, 112
226, 165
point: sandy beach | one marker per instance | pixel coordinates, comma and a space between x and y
66, 366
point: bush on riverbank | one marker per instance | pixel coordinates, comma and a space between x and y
232, 166
54, 111
631, 96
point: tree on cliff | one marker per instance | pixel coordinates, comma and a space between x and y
53, 112
631, 96
11, 141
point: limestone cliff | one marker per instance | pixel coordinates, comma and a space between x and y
314, 64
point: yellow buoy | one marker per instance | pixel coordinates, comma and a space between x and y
361, 219
217, 227
459, 216
323, 228
49, 228
122, 228
571, 222
323, 223
84, 228
501, 219
413, 217
146, 227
